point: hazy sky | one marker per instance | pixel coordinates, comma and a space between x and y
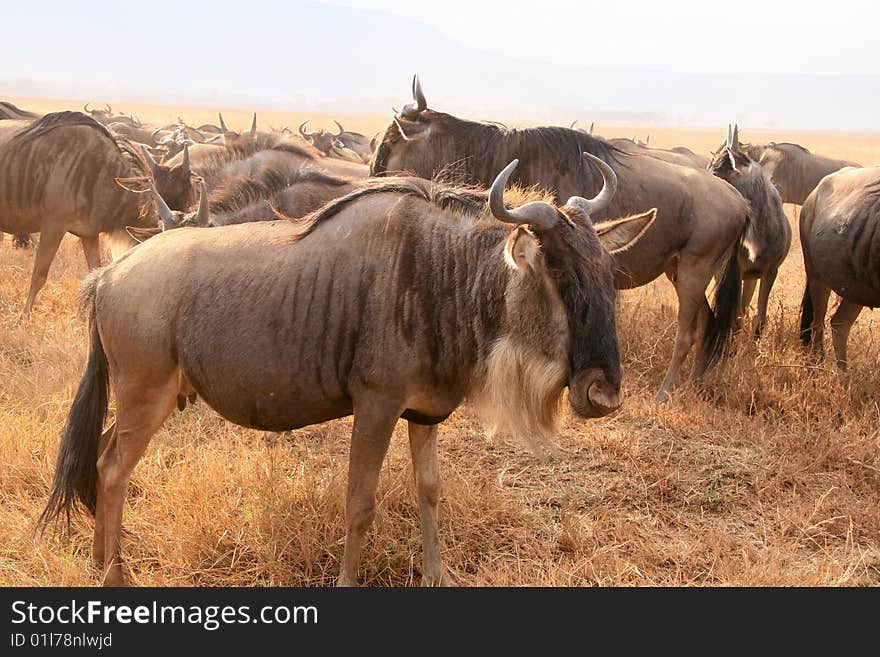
764, 63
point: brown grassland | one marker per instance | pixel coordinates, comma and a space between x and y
768, 475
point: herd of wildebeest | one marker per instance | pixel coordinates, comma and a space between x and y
291, 278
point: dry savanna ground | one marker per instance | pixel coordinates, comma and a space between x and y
769, 474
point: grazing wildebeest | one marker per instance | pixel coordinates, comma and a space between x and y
8, 111
841, 244
700, 218
397, 301
794, 170
57, 175
768, 234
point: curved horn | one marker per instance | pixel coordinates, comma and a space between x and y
254, 125
573, 124
109, 109
400, 128
592, 123
341, 129
164, 211
150, 161
222, 123
86, 108
603, 198
413, 109
203, 217
184, 163
537, 214
305, 135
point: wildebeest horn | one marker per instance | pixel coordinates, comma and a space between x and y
254, 125
164, 211
204, 214
341, 129
603, 198
592, 123
735, 140
86, 109
184, 163
413, 109
573, 124
729, 139
537, 214
150, 161
109, 109
306, 135
222, 123
400, 128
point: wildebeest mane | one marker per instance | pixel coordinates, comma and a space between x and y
17, 111
774, 144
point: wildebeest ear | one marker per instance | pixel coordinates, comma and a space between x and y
618, 235
140, 235
138, 185
523, 250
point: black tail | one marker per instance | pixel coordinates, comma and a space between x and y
76, 472
807, 317
722, 320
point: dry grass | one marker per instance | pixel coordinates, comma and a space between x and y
770, 475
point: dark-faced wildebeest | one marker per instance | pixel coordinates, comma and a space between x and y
840, 238
700, 219
768, 234
397, 301
57, 176
794, 170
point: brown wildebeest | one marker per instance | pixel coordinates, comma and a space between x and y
8, 111
700, 219
681, 156
794, 170
330, 145
768, 234
841, 245
57, 175
397, 301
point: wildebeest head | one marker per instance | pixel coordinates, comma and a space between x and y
731, 162
165, 217
173, 182
101, 115
232, 138
563, 265
323, 140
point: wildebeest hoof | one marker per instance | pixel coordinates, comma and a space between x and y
445, 580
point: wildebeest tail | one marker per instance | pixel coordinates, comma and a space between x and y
722, 319
76, 472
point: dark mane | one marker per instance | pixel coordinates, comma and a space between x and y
17, 110
240, 148
461, 200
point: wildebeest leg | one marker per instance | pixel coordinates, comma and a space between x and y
819, 293
374, 420
690, 286
98, 543
767, 281
746, 299
91, 247
841, 323
141, 408
423, 447
50, 240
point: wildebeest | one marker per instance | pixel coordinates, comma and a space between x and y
8, 111
57, 175
328, 144
794, 170
700, 218
679, 155
397, 301
840, 238
768, 234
